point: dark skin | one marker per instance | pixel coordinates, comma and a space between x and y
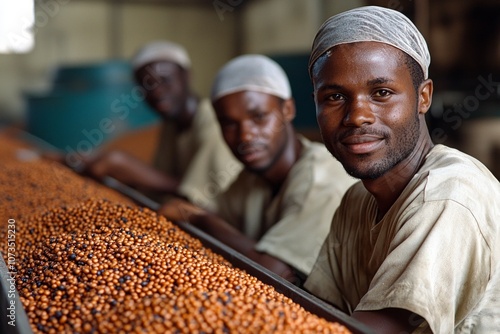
257, 128
373, 121
166, 88
130, 171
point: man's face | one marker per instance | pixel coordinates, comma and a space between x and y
166, 87
254, 127
366, 107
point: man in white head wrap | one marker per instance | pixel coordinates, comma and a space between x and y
256, 73
191, 158
414, 246
278, 210
161, 51
372, 24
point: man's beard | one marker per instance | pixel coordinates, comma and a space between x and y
407, 140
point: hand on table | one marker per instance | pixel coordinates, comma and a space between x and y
180, 210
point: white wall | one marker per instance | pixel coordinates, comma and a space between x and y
281, 26
75, 32
78, 31
278, 26
208, 40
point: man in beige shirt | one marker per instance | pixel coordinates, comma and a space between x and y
414, 246
278, 210
191, 159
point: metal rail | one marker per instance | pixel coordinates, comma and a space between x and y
13, 318
303, 298
308, 301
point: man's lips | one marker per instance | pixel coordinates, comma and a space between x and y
362, 144
250, 153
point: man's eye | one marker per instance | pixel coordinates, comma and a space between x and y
336, 97
382, 92
259, 116
226, 123
165, 80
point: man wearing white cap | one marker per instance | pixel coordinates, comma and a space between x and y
191, 159
414, 246
277, 212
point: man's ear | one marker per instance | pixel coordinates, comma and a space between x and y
289, 110
425, 96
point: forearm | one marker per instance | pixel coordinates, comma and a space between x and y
145, 178
232, 237
224, 232
130, 171
390, 320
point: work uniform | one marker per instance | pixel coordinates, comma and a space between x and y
198, 156
292, 224
436, 252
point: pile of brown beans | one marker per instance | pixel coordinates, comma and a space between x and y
30, 184
99, 264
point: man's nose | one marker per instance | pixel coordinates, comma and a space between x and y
247, 131
359, 112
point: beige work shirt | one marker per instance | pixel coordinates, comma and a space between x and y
293, 224
198, 156
436, 252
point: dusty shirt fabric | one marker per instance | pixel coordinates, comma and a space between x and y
436, 252
198, 156
293, 224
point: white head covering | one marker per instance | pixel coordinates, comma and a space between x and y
161, 51
251, 73
372, 24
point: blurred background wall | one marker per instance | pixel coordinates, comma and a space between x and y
463, 36
71, 32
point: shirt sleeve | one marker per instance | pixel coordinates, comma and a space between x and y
321, 281
326, 279
438, 266
305, 215
212, 167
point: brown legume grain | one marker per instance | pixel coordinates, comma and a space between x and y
90, 261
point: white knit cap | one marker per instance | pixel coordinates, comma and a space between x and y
161, 51
252, 72
372, 24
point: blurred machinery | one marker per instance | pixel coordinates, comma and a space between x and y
87, 106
